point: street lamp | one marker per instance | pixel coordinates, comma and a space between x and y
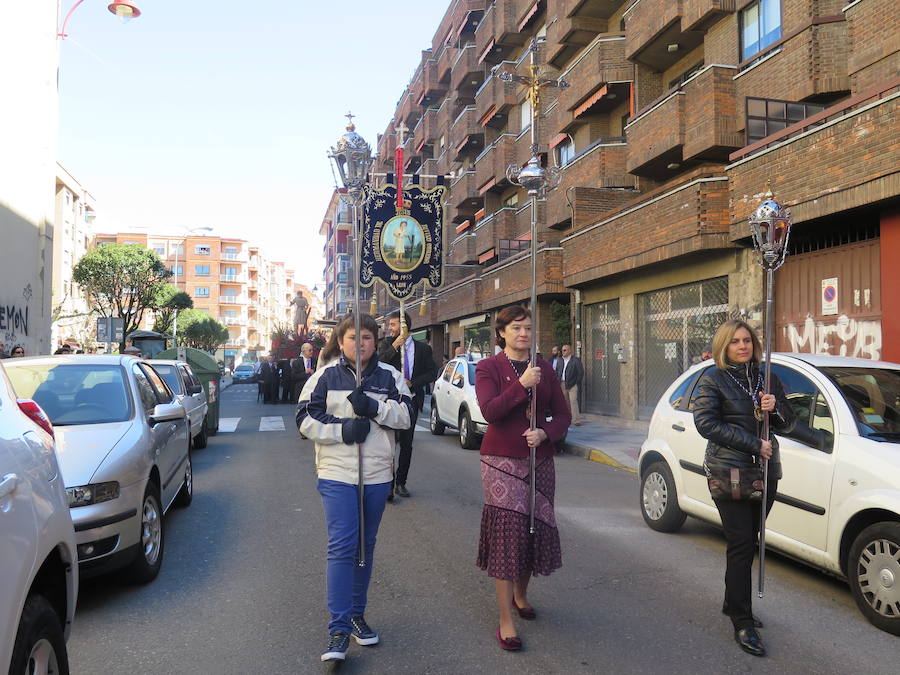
770, 227
353, 158
123, 9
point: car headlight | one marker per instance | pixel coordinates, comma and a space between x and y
85, 495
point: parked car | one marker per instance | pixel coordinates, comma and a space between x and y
189, 392
453, 403
837, 508
123, 444
38, 557
246, 372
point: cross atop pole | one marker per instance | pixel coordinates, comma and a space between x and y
350, 117
401, 130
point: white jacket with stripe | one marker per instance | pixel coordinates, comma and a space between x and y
323, 408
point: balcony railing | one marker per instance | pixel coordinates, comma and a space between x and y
232, 300
232, 278
234, 320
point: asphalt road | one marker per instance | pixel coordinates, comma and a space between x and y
242, 584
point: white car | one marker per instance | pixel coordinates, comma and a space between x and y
837, 509
189, 392
38, 559
453, 403
123, 446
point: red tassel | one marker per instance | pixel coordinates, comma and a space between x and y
398, 167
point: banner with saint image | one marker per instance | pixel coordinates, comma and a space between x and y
403, 246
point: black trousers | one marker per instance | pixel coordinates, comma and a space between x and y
405, 439
740, 521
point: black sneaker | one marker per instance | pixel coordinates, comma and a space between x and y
401, 490
362, 633
338, 644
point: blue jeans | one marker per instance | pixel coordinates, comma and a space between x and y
348, 584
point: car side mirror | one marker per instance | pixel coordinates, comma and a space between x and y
167, 412
195, 389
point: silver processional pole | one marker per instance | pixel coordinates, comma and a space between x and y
353, 158
770, 226
536, 180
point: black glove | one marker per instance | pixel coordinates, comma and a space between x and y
363, 405
355, 430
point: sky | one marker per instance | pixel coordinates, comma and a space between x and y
220, 114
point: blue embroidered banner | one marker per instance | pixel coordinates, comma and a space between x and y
402, 247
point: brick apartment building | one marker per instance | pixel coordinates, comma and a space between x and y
678, 115
337, 254
231, 280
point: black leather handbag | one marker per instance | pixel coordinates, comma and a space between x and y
733, 480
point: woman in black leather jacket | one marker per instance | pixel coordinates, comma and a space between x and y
727, 409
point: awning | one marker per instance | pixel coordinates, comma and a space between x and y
529, 15
487, 186
487, 255
559, 139
479, 214
487, 50
591, 100
472, 320
488, 115
462, 227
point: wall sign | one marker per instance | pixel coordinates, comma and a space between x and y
829, 296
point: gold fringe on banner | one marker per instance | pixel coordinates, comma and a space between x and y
422, 307
373, 306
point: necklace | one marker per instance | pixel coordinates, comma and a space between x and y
512, 364
757, 407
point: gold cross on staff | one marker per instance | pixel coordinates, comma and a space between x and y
401, 133
350, 117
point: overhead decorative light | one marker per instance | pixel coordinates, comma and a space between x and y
672, 47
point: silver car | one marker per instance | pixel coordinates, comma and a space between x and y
37, 543
123, 445
189, 392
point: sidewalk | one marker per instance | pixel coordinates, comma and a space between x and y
608, 440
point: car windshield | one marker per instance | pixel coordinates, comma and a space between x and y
74, 393
170, 375
874, 398
472, 374
244, 369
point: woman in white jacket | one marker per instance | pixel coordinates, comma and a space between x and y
344, 420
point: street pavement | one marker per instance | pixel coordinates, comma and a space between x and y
242, 584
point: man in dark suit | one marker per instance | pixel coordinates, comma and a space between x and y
570, 372
302, 367
268, 373
414, 359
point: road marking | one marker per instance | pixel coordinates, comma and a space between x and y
271, 424
228, 424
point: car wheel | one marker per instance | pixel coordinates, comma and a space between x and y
186, 494
468, 437
437, 427
873, 570
659, 499
151, 546
40, 645
201, 438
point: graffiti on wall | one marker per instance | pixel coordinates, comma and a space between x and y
14, 318
845, 337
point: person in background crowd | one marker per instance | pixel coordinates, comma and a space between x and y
419, 371
3, 354
285, 381
268, 373
570, 373
707, 353
337, 415
63, 349
504, 386
17, 350
555, 358
132, 351
302, 368
728, 408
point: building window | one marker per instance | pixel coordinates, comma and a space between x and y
767, 116
511, 200
565, 152
201, 292
760, 26
177, 270
201, 249
510, 247
686, 75
201, 270
525, 112
159, 249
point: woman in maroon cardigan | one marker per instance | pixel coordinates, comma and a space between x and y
504, 385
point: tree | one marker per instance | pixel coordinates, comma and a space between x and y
122, 280
199, 330
167, 303
562, 322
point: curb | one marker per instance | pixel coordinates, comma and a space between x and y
596, 455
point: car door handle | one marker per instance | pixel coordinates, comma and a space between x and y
677, 427
8, 484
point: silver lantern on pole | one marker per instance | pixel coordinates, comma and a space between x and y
770, 227
353, 158
536, 179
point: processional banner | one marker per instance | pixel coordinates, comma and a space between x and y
402, 246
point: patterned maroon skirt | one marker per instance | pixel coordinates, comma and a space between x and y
506, 550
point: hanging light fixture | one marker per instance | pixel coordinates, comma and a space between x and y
126, 11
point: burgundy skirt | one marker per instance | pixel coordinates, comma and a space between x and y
506, 550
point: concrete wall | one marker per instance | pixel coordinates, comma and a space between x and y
28, 129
